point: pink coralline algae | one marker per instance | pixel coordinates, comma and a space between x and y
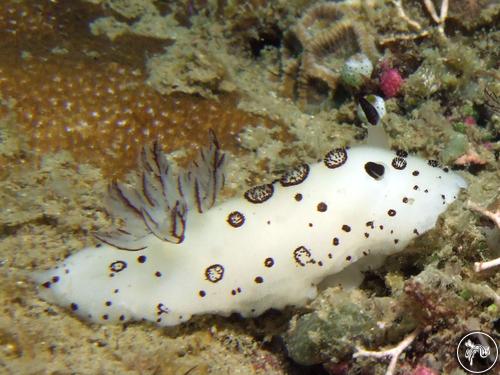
470, 121
422, 370
390, 82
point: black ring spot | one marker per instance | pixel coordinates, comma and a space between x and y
295, 176
214, 273
335, 158
118, 266
302, 256
269, 262
259, 194
236, 219
399, 163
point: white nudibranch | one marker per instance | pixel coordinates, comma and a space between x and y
178, 254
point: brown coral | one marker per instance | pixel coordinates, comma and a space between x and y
315, 50
74, 91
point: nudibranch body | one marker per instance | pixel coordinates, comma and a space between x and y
178, 254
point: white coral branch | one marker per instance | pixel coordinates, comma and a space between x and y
393, 353
401, 12
494, 215
443, 13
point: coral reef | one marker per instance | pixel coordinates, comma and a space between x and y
77, 94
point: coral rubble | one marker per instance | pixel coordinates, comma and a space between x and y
315, 50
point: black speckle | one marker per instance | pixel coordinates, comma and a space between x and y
259, 280
298, 197
202, 293
98, 245
346, 228
105, 317
322, 207
415, 173
46, 284
365, 253
238, 290
158, 274
348, 258
330, 255
375, 170
108, 303
369, 224
259, 194
446, 169
433, 163
122, 318
367, 235
233, 292
426, 191
66, 271
162, 309
141, 258
415, 187
405, 200
320, 263
391, 212
381, 227
236, 219
335, 158
396, 240
310, 225
73, 306
336, 241
443, 196
116, 291
416, 231
269, 262
55, 279
269, 222
295, 176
